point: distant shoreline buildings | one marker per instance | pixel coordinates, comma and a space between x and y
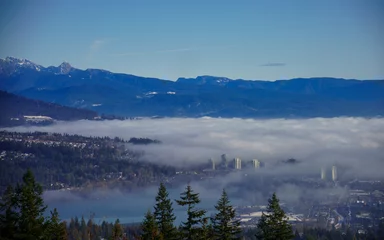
255, 164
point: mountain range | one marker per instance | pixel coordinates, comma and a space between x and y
131, 96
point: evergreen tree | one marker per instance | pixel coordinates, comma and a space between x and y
224, 224
31, 223
117, 231
274, 224
9, 215
207, 232
22, 213
105, 232
72, 230
56, 230
91, 228
149, 227
83, 229
189, 229
163, 213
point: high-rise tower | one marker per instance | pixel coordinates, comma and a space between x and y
323, 173
224, 161
334, 173
255, 163
212, 163
237, 163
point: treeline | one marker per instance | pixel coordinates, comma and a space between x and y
143, 141
159, 223
88, 230
22, 217
64, 137
74, 161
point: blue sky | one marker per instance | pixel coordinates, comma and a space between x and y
264, 40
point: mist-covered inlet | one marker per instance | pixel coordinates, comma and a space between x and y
355, 145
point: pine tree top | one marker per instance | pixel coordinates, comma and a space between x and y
274, 224
163, 213
188, 197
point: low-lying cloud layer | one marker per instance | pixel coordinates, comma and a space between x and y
357, 143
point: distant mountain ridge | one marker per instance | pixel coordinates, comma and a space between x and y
131, 96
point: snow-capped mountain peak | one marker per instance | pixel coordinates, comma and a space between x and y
65, 68
10, 65
20, 61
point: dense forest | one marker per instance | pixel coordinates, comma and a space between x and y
142, 141
22, 216
14, 108
71, 161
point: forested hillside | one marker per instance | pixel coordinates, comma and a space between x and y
14, 108
70, 161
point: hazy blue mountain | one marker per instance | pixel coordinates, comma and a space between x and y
129, 95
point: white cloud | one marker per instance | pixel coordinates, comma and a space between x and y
355, 142
95, 47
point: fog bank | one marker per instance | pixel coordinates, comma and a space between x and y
357, 143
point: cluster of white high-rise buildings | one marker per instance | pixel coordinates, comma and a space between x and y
236, 163
323, 173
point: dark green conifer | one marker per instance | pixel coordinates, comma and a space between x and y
83, 229
9, 216
206, 232
56, 229
149, 227
189, 229
164, 216
224, 224
117, 231
31, 223
274, 223
22, 213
